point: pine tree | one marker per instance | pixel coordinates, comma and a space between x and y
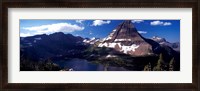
147, 67
171, 64
160, 63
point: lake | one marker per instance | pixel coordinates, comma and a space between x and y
84, 65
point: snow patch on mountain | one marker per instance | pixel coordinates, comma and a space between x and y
85, 40
158, 39
122, 39
122, 48
109, 38
110, 35
93, 38
110, 45
110, 56
91, 41
126, 49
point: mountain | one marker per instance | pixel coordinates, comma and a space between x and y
125, 38
137, 50
47, 46
91, 41
163, 41
158, 39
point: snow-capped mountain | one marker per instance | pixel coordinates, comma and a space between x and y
125, 38
163, 41
158, 39
91, 41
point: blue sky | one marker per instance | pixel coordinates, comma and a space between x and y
168, 29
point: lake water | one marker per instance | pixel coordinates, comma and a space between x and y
84, 65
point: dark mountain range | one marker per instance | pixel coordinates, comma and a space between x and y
47, 46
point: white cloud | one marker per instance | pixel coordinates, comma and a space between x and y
167, 23
51, 28
142, 32
155, 23
80, 21
137, 21
100, 22
25, 34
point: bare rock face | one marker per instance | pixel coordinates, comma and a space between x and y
126, 39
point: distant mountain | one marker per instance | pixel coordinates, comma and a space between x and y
91, 41
158, 39
125, 38
46, 46
162, 41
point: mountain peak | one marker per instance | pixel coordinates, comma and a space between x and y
127, 21
124, 32
128, 24
158, 39
58, 33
